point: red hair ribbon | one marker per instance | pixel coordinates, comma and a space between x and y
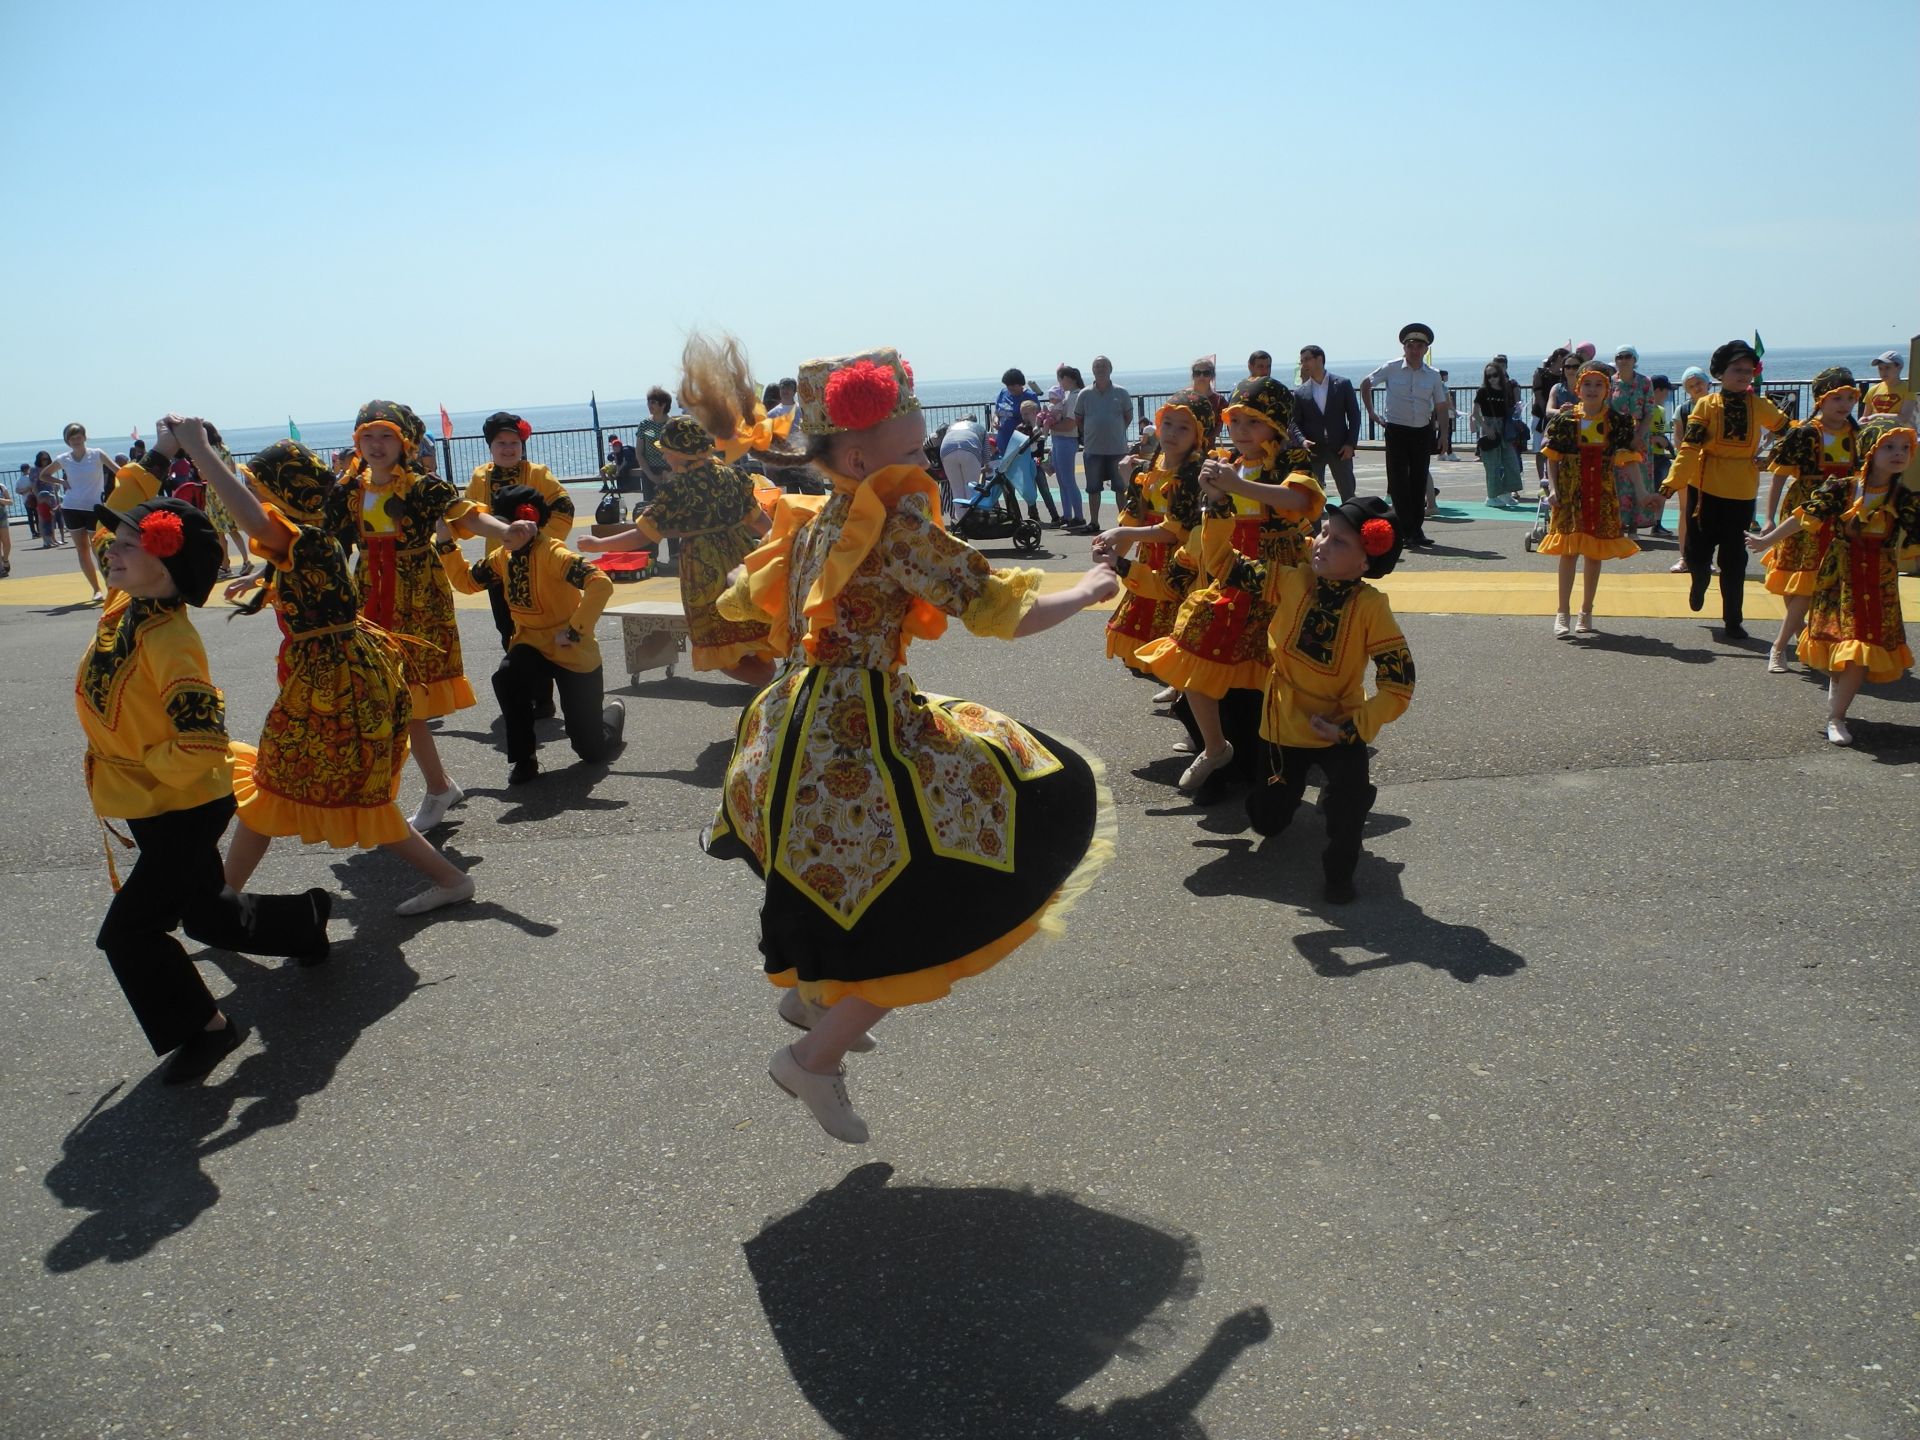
162, 535
1376, 537
861, 396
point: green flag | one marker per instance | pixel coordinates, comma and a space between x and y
1759, 353
293, 430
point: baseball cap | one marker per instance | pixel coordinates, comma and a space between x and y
1889, 357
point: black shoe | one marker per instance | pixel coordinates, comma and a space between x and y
1735, 630
322, 902
1697, 589
196, 1059
614, 717
545, 709
1339, 892
1418, 542
524, 772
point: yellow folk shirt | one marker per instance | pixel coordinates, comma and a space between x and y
1323, 634
536, 477
548, 588
1721, 438
156, 725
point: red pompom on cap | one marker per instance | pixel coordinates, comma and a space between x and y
162, 535
527, 512
1376, 537
524, 428
862, 395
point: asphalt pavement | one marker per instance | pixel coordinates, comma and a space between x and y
1593, 1116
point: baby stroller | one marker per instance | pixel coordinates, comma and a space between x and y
1541, 516
992, 512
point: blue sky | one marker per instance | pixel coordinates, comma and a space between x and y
258, 210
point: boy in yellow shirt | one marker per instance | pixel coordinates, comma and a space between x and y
554, 597
1717, 450
158, 758
1327, 625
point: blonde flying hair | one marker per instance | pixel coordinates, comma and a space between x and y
717, 389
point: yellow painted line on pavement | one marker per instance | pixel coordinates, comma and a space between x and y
1640, 595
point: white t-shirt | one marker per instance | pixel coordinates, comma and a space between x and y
84, 479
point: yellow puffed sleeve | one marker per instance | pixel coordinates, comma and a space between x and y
998, 609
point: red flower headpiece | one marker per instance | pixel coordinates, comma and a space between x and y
524, 428
161, 534
527, 512
1376, 537
861, 396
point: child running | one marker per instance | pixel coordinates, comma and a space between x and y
1586, 444
1854, 630
1815, 453
867, 807
334, 744
158, 758
1327, 624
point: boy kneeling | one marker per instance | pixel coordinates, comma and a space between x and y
1328, 624
554, 597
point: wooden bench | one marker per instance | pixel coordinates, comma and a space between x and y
654, 633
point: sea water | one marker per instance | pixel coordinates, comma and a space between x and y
1800, 363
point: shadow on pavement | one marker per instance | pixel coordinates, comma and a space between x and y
1381, 921
730, 696
972, 1313
135, 1161
1616, 643
557, 791
708, 769
1886, 743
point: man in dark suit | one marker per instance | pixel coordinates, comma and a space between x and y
1328, 415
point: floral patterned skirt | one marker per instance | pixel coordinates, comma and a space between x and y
906, 840
420, 599
1139, 620
1585, 518
705, 561
1855, 615
335, 742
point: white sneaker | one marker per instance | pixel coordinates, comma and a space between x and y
438, 896
434, 806
1204, 765
1183, 746
1776, 662
1838, 733
824, 1095
1584, 626
803, 1014
1166, 696
1562, 626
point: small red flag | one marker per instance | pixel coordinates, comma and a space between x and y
446, 424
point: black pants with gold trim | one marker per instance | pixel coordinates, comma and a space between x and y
177, 882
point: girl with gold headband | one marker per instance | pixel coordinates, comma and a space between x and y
1816, 452
1159, 508
387, 505
1854, 630
1585, 444
1259, 511
866, 806
334, 744
714, 513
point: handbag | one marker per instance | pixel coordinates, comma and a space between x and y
607, 512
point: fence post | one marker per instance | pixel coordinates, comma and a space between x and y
446, 457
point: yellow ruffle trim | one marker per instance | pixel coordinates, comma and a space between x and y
344, 827
1170, 665
917, 987
1883, 665
1792, 582
442, 697
1592, 546
997, 610
762, 590
725, 657
873, 499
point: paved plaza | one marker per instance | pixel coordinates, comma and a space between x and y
1593, 1116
